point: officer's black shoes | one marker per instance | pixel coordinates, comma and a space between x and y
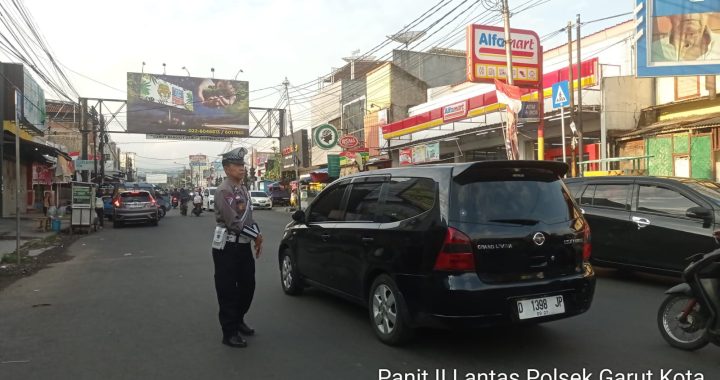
245, 329
234, 341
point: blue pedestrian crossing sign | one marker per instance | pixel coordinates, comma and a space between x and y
560, 94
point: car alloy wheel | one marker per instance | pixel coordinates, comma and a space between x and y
291, 282
384, 309
388, 313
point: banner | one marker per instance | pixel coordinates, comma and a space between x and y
180, 105
406, 156
41, 174
301, 149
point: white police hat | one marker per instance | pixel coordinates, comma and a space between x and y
235, 156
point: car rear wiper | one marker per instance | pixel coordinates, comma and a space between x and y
524, 222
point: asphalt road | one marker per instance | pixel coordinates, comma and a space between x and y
139, 303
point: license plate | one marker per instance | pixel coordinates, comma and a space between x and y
134, 205
540, 307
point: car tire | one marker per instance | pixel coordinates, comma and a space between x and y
388, 312
289, 277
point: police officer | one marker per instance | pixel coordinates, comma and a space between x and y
234, 264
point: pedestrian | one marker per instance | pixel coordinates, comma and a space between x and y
47, 202
233, 258
100, 208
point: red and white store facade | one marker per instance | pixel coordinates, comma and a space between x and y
464, 123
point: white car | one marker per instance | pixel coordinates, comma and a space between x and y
209, 198
260, 199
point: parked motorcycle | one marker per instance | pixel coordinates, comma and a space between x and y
688, 318
197, 209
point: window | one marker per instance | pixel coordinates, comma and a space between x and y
506, 196
663, 201
363, 203
328, 207
575, 189
140, 196
407, 197
259, 194
613, 196
587, 195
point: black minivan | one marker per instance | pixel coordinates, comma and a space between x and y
472, 244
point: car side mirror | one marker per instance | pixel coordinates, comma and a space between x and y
299, 216
698, 213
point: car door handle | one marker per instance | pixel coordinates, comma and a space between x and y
641, 222
325, 237
367, 239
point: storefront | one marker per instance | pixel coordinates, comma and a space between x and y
471, 129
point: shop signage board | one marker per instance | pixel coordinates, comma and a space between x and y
486, 59
530, 112
349, 142
325, 136
333, 165
455, 111
81, 165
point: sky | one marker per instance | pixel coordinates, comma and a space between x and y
97, 42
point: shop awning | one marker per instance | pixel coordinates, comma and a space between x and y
675, 125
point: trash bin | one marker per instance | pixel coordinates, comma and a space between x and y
56, 225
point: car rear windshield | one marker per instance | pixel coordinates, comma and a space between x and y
135, 197
212, 191
258, 194
509, 195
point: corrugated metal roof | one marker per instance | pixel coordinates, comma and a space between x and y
674, 125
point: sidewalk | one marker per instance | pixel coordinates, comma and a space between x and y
29, 231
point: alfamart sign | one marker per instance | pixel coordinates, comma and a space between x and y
486, 59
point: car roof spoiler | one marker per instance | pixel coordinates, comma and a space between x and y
558, 168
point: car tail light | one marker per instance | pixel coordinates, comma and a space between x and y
456, 253
587, 245
117, 202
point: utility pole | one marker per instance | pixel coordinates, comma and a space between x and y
19, 114
579, 113
573, 154
294, 147
2, 138
103, 136
95, 133
84, 131
508, 40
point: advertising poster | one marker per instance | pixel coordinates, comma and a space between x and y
677, 38
41, 174
406, 156
419, 154
183, 105
301, 148
433, 152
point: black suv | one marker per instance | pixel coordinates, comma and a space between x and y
648, 224
471, 244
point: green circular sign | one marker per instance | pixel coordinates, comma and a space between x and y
326, 136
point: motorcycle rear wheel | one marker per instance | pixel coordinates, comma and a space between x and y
688, 335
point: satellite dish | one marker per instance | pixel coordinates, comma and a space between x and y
407, 37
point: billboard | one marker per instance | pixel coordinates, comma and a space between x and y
301, 149
486, 59
198, 160
156, 178
177, 105
33, 104
677, 38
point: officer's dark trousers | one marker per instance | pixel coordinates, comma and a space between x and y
234, 284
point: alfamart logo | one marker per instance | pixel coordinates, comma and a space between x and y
455, 111
494, 43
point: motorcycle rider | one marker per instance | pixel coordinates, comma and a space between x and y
197, 203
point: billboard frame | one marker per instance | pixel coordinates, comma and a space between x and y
644, 68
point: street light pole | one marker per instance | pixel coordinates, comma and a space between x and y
238, 73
